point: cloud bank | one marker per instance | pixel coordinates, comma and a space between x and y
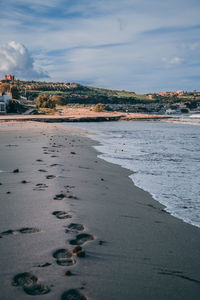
16, 59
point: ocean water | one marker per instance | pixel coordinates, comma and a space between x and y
163, 156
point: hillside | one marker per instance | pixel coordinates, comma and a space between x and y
74, 93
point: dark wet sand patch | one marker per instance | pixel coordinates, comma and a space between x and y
64, 257
24, 181
69, 196
68, 273
73, 294
62, 214
100, 242
81, 239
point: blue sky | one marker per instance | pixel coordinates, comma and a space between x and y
138, 45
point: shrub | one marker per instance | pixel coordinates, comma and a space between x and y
15, 107
44, 101
59, 100
15, 92
99, 107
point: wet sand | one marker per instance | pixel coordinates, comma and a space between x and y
72, 225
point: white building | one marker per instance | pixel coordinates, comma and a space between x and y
4, 99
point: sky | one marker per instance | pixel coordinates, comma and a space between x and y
136, 45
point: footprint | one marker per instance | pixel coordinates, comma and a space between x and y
28, 230
75, 227
64, 257
61, 214
30, 284
23, 279
59, 196
37, 289
73, 294
71, 197
40, 187
50, 176
44, 265
82, 238
21, 230
9, 232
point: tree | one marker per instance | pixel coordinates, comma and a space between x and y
44, 101
4, 87
15, 92
59, 100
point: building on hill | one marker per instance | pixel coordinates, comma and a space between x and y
4, 100
9, 77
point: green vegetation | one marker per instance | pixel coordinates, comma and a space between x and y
15, 107
51, 95
15, 92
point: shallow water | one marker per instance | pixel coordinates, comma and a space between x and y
164, 158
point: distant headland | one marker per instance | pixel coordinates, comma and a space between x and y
58, 98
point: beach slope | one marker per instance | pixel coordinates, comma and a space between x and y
72, 225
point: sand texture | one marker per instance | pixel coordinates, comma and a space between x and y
75, 227
82, 115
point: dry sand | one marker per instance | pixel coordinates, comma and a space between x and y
82, 114
64, 196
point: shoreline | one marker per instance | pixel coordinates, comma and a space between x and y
83, 116
138, 250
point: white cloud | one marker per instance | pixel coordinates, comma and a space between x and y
174, 61
16, 59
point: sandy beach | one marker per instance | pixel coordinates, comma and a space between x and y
73, 226
82, 115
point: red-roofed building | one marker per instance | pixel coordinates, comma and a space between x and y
9, 77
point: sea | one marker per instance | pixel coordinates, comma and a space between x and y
164, 157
